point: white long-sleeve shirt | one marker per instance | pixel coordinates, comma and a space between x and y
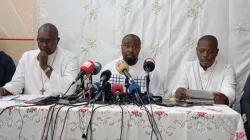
217, 78
138, 74
30, 77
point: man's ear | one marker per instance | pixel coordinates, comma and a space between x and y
217, 52
58, 39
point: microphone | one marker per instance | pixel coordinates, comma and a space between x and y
95, 92
123, 68
149, 65
105, 76
94, 89
97, 68
117, 90
89, 92
135, 90
105, 85
85, 69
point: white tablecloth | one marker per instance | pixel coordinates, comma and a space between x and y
175, 123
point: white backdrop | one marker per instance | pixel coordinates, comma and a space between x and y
169, 30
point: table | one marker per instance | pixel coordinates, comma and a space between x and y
175, 123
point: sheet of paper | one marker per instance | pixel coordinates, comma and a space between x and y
28, 97
200, 94
8, 98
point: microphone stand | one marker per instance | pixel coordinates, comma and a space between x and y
106, 87
90, 86
126, 88
147, 82
154, 125
82, 83
150, 96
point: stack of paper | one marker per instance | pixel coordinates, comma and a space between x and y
9, 98
28, 97
200, 96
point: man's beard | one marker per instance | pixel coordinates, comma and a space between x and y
131, 61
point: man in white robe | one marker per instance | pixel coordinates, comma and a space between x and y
207, 74
49, 69
131, 46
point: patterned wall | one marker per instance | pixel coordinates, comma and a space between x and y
169, 30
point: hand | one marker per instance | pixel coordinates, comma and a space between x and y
181, 93
220, 98
43, 59
4, 92
1, 92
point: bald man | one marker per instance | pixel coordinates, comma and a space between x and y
131, 46
49, 69
207, 74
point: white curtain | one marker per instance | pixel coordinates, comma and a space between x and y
169, 30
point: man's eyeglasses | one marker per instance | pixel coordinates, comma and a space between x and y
47, 41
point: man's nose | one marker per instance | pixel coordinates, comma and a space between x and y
205, 54
130, 49
44, 44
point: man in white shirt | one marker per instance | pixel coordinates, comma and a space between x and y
131, 46
49, 69
207, 74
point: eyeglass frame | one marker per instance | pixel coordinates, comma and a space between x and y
46, 41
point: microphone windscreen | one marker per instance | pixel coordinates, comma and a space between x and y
133, 88
149, 64
95, 89
87, 67
121, 65
105, 75
117, 88
97, 68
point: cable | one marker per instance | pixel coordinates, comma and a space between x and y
46, 136
149, 100
22, 124
121, 122
65, 118
153, 118
150, 122
45, 124
155, 124
20, 113
90, 123
16, 106
147, 88
80, 121
65, 121
150, 116
51, 116
53, 132
85, 136
47, 133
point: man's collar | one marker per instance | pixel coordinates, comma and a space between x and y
54, 53
52, 56
208, 69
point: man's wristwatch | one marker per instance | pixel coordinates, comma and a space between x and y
49, 68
